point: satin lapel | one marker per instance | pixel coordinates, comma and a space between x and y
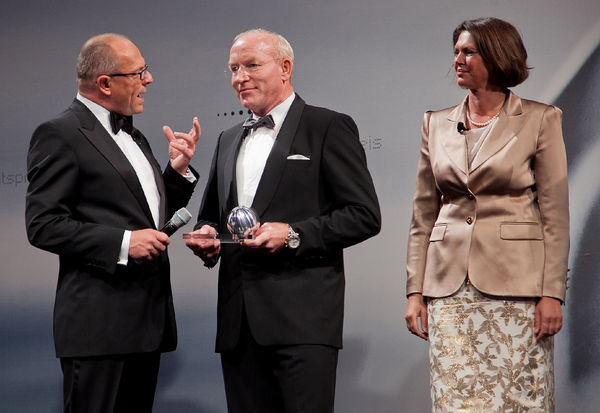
142, 142
228, 183
508, 124
455, 143
97, 135
277, 158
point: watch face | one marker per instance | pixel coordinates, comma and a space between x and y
293, 242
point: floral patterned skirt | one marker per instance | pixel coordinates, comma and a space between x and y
483, 356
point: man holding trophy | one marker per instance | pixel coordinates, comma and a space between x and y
292, 185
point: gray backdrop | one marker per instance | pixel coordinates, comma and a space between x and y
384, 62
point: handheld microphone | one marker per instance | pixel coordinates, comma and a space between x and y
181, 217
460, 128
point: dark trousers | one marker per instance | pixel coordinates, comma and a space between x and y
111, 384
279, 379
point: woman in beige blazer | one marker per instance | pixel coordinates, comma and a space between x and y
489, 236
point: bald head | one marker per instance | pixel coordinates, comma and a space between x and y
281, 47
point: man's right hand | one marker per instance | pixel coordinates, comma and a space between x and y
204, 248
145, 244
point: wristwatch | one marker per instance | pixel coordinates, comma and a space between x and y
293, 239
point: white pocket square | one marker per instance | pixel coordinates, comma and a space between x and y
298, 157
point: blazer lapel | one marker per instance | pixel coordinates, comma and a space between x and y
455, 143
277, 158
508, 123
93, 130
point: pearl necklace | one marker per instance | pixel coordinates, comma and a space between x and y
481, 124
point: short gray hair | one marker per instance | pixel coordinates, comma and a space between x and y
283, 49
97, 57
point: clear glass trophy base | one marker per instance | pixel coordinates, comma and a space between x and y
224, 238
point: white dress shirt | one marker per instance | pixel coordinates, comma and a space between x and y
255, 150
138, 161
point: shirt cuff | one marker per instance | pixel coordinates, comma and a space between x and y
189, 176
124, 253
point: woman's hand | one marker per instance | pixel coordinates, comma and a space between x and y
417, 309
548, 317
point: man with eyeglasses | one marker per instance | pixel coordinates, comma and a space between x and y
96, 197
281, 294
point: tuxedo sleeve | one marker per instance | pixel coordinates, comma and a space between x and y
350, 208
51, 221
179, 190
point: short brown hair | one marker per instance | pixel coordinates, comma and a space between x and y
97, 57
501, 48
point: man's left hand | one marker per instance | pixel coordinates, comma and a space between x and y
270, 237
182, 146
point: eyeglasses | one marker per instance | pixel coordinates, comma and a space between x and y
141, 74
248, 68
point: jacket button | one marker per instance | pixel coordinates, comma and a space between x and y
469, 220
470, 196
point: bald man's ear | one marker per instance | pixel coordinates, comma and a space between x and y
103, 84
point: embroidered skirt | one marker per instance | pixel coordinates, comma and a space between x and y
483, 356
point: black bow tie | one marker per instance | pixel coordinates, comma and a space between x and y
118, 122
265, 121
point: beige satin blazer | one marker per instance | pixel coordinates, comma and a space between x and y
503, 221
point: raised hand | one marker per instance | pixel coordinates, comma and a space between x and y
182, 146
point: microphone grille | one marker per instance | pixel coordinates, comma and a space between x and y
184, 215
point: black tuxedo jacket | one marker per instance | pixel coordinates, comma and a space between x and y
293, 296
83, 193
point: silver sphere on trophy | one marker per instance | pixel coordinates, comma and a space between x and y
242, 223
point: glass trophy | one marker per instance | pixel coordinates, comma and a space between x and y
242, 223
